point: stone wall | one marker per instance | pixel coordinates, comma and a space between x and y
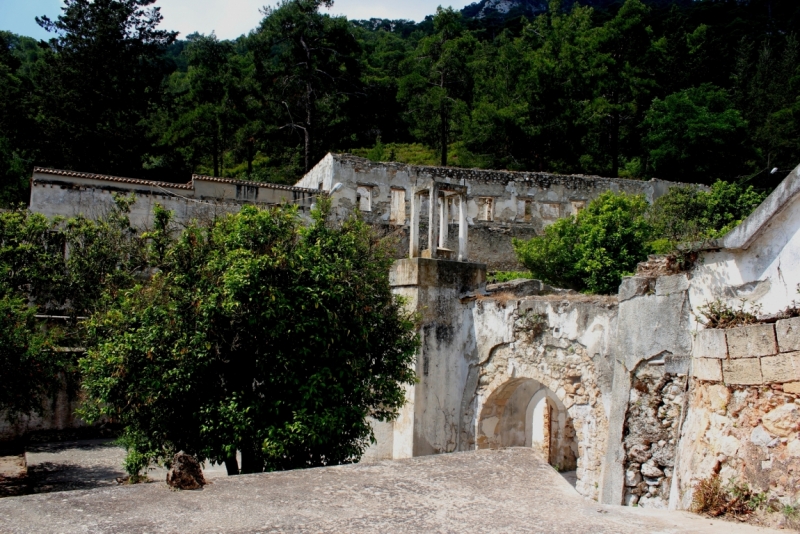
651, 433
518, 365
500, 204
67, 194
744, 414
558, 354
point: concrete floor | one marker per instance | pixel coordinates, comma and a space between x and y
509, 490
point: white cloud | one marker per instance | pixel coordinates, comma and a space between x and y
232, 18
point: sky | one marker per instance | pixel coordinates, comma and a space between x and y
227, 18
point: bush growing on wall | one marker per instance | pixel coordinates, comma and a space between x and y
259, 335
593, 250
689, 214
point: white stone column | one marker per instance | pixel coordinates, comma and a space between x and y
462, 228
414, 237
443, 222
433, 228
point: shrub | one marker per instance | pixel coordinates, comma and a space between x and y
688, 214
593, 250
718, 314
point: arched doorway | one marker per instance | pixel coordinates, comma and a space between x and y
524, 413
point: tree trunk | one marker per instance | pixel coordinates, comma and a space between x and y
215, 153
444, 137
250, 461
308, 128
231, 465
615, 143
249, 159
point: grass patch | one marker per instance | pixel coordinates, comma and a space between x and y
734, 499
497, 277
718, 314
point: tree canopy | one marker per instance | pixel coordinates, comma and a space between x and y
685, 91
257, 334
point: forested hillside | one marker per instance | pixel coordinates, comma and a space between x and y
689, 91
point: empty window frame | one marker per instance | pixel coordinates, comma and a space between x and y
398, 210
527, 214
364, 197
577, 206
485, 208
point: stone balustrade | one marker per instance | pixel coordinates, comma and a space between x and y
750, 355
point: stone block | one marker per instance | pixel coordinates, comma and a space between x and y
745, 372
710, 343
634, 286
751, 341
677, 365
707, 369
788, 331
781, 368
669, 285
792, 387
782, 421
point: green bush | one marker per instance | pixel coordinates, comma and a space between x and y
258, 334
497, 277
689, 214
593, 250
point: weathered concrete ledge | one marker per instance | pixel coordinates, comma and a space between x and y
509, 490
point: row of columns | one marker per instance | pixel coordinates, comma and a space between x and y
438, 220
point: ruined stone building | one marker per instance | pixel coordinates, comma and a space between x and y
631, 391
498, 205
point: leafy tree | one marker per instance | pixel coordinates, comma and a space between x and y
689, 214
696, 135
55, 267
257, 334
97, 84
308, 67
766, 91
593, 250
623, 89
206, 97
437, 86
13, 167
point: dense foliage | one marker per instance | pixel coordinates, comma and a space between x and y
593, 250
688, 91
256, 334
36, 278
689, 214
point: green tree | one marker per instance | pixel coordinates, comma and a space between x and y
689, 214
55, 268
308, 67
766, 91
593, 250
257, 334
206, 98
696, 136
97, 84
13, 122
437, 88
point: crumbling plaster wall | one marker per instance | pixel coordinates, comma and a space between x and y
523, 203
651, 355
68, 194
474, 344
562, 345
758, 260
743, 416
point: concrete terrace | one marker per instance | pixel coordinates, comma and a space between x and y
508, 490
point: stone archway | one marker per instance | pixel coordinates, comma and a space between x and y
522, 412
